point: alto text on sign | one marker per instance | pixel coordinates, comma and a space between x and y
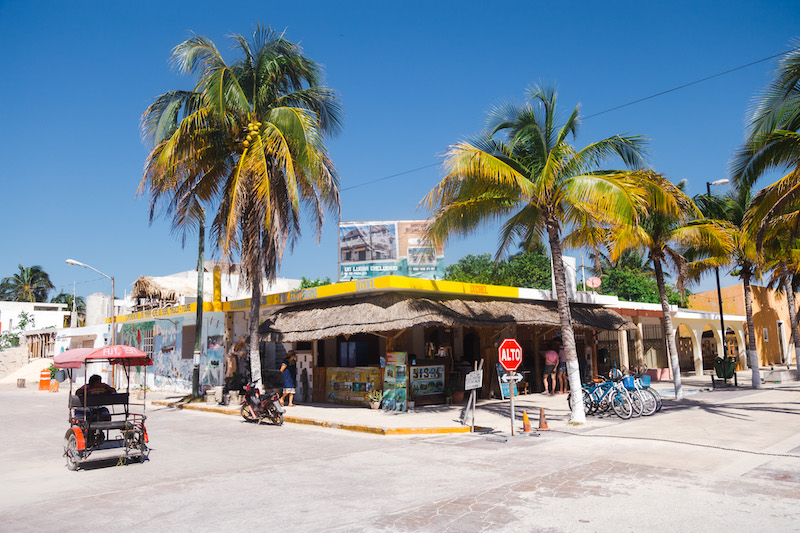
510, 354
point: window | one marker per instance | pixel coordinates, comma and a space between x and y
766, 335
352, 354
147, 341
187, 343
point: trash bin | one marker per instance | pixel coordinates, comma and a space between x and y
725, 367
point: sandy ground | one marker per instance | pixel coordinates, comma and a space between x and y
29, 372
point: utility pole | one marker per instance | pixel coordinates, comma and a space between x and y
716, 271
73, 319
198, 328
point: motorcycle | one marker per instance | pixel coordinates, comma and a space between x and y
264, 406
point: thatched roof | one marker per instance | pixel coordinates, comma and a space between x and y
396, 311
168, 288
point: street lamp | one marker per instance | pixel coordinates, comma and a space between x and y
113, 330
723, 181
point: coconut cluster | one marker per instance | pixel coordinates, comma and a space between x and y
253, 131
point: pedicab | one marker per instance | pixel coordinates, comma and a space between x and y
104, 422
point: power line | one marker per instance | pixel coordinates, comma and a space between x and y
388, 177
679, 87
76, 283
701, 80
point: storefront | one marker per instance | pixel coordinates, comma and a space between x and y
419, 338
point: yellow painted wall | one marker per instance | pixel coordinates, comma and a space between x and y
769, 307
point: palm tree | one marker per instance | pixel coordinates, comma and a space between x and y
30, 284
80, 304
248, 142
780, 249
523, 168
671, 224
744, 259
772, 143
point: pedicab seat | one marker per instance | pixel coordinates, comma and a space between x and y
98, 414
96, 400
115, 424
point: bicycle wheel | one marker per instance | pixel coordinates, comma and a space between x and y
593, 399
587, 404
621, 404
637, 404
648, 400
656, 399
657, 396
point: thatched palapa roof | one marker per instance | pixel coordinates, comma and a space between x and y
168, 288
397, 310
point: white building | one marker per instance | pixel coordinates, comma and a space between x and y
45, 315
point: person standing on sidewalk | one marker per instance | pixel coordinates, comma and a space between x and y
550, 362
289, 377
561, 374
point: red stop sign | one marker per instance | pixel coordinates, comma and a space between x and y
510, 354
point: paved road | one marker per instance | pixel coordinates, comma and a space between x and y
211, 472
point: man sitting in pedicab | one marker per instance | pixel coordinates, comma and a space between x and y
95, 386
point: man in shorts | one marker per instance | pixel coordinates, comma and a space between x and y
550, 362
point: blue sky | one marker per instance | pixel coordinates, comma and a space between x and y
414, 77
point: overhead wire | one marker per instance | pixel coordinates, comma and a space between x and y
67, 285
633, 102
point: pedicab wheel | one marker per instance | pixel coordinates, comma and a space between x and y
71, 452
246, 414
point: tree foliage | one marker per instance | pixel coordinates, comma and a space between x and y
635, 286
306, 283
80, 305
249, 142
523, 171
30, 284
24, 322
525, 269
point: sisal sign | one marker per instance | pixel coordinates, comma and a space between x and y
510, 354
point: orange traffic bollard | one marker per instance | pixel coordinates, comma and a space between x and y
542, 420
526, 424
44, 380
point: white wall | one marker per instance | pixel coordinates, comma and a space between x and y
45, 315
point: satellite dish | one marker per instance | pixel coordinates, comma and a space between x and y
593, 282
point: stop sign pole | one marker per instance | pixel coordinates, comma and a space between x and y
509, 353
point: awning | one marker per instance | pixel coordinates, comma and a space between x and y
397, 310
116, 355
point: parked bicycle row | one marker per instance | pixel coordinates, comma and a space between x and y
629, 396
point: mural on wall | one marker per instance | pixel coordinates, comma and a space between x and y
138, 335
170, 370
211, 365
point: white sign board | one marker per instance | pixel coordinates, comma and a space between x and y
473, 380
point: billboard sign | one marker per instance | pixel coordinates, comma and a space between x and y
383, 248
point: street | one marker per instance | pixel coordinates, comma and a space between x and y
213, 472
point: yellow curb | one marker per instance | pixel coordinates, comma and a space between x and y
321, 423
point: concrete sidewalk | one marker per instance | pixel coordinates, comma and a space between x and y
491, 415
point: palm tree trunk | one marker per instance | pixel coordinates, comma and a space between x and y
672, 349
787, 286
255, 311
752, 353
578, 416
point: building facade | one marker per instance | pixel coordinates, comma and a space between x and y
770, 317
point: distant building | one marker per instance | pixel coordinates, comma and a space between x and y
770, 317
158, 292
45, 315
